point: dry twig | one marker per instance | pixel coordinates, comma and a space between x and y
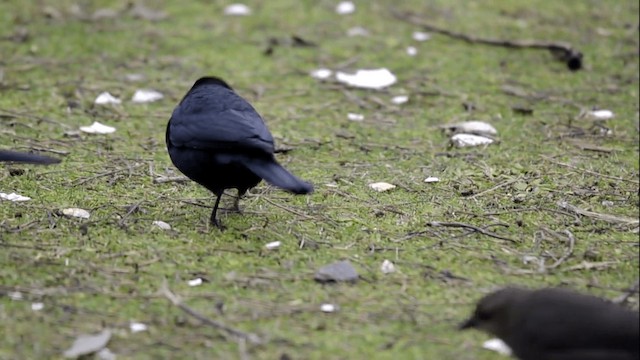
562, 51
237, 334
599, 216
469, 226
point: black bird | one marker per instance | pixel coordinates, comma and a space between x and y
27, 158
217, 139
558, 324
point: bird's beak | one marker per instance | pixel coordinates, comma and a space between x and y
467, 324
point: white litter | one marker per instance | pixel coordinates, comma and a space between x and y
400, 99
273, 245
137, 327
134, 77
97, 128
381, 186
14, 197
162, 225
412, 51
76, 212
421, 36
368, 79
473, 127
345, 8
387, 267
146, 95
600, 115
37, 306
357, 31
237, 10
468, 140
105, 354
321, 74
15, 295
195, 282
328, 308
498, 346
431, 179
105, 98
355, 117
87, 344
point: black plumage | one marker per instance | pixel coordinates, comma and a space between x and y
26, 158
217, 139
558, 324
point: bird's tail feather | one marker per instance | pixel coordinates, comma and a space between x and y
276, 175
14, 156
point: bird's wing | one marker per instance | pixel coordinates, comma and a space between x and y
239, 129
585, 324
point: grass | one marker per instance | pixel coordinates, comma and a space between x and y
106, 271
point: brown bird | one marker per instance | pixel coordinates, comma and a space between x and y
558, 324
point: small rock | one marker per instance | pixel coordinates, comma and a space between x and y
37, 306
337, 272
412, 51
76, 212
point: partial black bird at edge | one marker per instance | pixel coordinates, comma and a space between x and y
26, 158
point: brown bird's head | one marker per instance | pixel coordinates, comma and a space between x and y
492, 312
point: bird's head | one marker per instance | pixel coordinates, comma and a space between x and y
493, 311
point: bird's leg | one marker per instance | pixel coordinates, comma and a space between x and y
214, 220
236, 202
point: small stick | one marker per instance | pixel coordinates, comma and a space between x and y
239, 335
494, 188
563, 258
604, 217
469, 226
551, 160
562, 51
